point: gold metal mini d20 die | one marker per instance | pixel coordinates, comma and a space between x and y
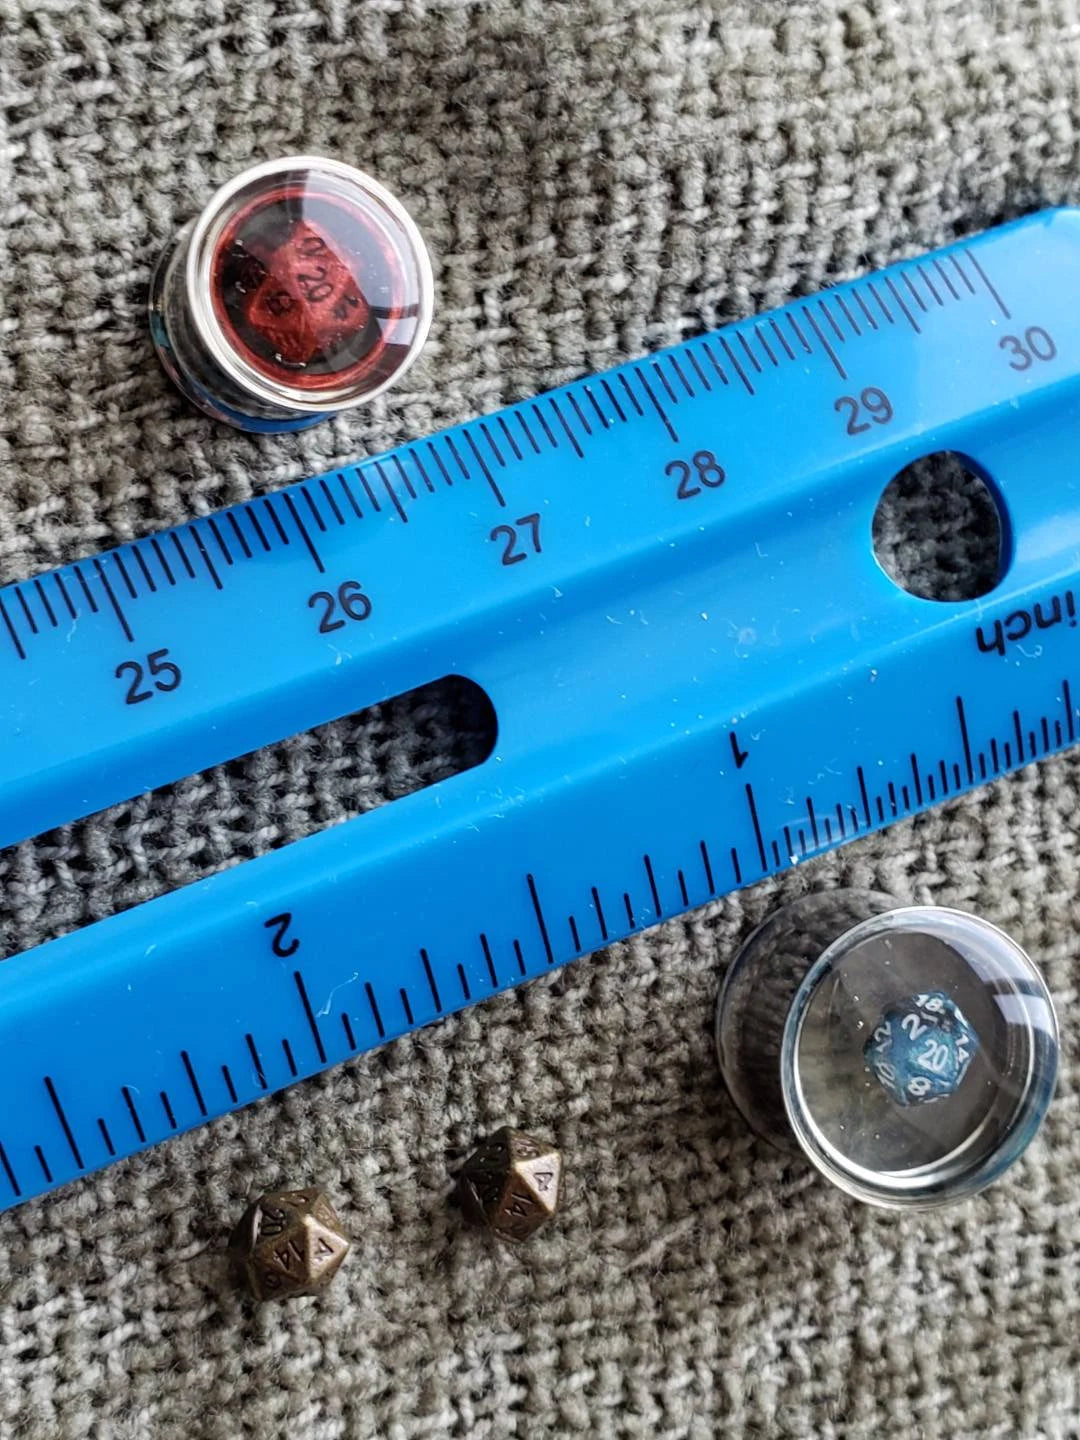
511, 1184
289, 1243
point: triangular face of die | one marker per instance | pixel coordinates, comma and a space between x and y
543, 1176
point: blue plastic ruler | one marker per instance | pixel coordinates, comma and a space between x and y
664, 581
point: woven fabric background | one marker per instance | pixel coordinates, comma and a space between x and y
596, 178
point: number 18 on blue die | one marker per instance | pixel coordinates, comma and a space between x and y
921, 1048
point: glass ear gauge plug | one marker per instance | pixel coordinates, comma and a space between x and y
303, 288
910, 1051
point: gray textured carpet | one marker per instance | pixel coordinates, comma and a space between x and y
595, 178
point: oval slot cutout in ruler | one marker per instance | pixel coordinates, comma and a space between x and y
663, 579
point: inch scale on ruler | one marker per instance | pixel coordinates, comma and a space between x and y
662, 578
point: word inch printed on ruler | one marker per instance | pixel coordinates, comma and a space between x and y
662, 578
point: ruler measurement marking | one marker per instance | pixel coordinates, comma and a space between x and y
226, 1075
736, 366
10, 1173
12, 633
579, 412
373, 1003
998, 301
690, 391
575, 938
195, 1090
166, 569
328, 495
241, 538
664, 382
87, 591
901, 305
316, 513
302, 530
886, 312
118, 560
488, 960
406, 1006
757, 826
395, 499
848, 316
463, 982
863, 793
766, 347
644, 381
425, 959
964, 276
253, 1050
260, 534
368, 491
346, 1025
225, 551
540, 921
871, 319
914, 293
610, 393
26, 610
179, 548
347, 491
699, 371
604, 421
658, 909
414, 456
290, 1059
629, 911
210, 568
166, 1104
962, 717
520, 958
43, 1163
599, 913
635, 402
811, 320
133, 1112
433, 452
707, 864
457, 456
794, 324
785, 343
117, 611
515, 449
64, 1122
58, 577
946, 278
715, 363
684, 894
409, 490
831, 318
563, 422
301, 988
542, 421
929, 283
520, 416
483, 467
754, 362
110, 1148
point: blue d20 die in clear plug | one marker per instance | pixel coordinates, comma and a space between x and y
921, 1048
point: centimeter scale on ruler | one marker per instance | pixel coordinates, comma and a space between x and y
663, 579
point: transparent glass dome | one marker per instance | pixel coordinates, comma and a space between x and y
303, 288
910, 1052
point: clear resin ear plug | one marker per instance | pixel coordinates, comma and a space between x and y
302, 289
910, 1051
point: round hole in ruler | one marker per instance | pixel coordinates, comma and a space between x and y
939, 530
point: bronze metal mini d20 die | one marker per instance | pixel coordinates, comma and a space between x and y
511, 1185
289, 1243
